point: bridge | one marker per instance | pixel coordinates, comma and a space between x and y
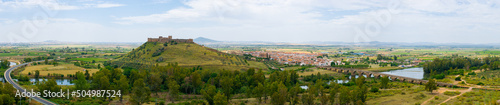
378, 75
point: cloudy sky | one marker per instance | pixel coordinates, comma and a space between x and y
441, 21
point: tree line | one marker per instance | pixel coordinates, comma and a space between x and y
445, 65
217, 86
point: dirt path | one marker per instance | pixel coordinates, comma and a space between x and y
442, 90
468, 90
425, 102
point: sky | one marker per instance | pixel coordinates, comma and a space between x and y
438, 21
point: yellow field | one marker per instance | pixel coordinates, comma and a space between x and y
61, 69
315, 71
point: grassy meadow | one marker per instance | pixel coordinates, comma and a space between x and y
63, 69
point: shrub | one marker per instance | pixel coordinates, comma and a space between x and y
451, 93
418, 97
439, 76
374, 89
480, 83
471, 73
458, 79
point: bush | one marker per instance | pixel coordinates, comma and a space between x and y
374, 89
458, 79
418, 97
439, 76
471, 73
451, 93
480, 83
462, 82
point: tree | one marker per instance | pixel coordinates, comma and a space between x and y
484, 67
248, 92
384, 82
5, 99
196, 81
209, 93
294, 77
46, 61
37, 74
50, 85
280, 96
362, 93
227, 86
308, 99
324, 99
173, 90
333, 93
140, 92
259, 91
220, 99
431, 85
345, 96
294, 94
4, 64
360, 81
155, 82
122, 86
80, 83
87, 75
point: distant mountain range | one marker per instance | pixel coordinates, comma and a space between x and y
207, 41
211, 42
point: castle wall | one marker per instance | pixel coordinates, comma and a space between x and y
169, 39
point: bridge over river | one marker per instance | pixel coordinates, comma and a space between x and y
378, 75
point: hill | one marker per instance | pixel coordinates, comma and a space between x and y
184, 55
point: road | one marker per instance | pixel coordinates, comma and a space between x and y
21, 89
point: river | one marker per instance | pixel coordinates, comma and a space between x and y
417, 73
59, 81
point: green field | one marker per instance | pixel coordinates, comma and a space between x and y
477, 97
491, 78
90, 59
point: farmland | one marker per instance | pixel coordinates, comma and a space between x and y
64, 69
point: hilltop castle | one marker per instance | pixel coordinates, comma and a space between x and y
169, 39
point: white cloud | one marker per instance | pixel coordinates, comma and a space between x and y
108, 5
276, 11
56, 5
293, 21
287, 19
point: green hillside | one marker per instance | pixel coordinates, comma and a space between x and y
184, 54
